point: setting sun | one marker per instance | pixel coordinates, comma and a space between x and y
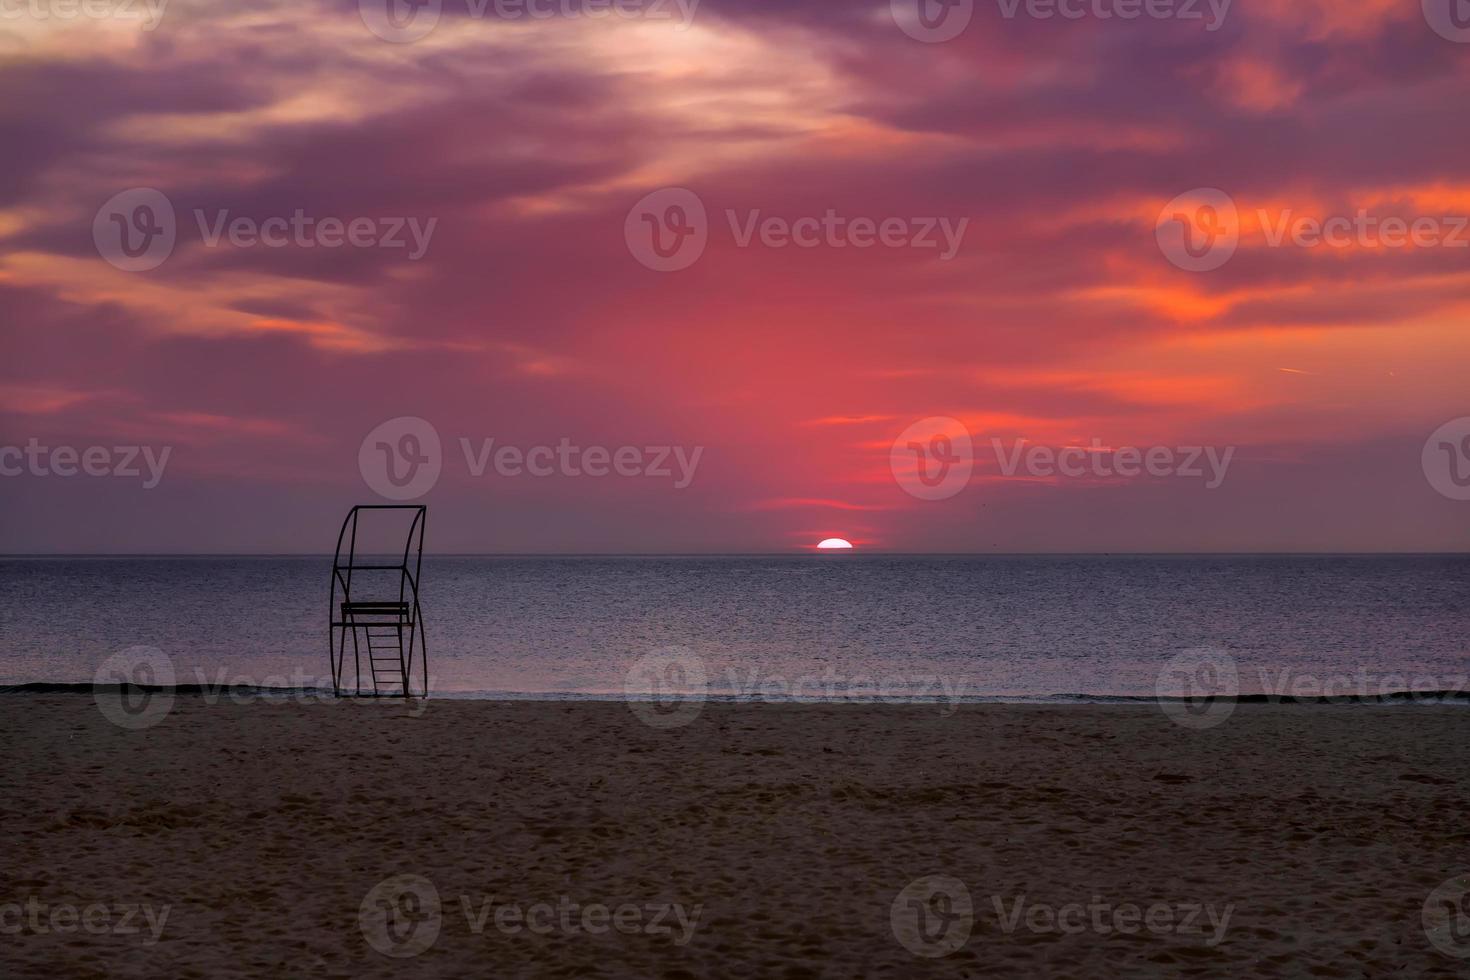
835, 544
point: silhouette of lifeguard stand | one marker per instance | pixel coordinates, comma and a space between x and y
389, 630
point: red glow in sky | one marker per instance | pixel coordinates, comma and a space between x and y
755, 248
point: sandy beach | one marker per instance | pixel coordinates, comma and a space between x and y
573, 839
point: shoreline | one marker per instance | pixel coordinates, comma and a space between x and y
1450, 696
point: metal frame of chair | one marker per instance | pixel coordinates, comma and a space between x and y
382, 620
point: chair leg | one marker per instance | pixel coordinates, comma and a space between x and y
356, 658
402, 663
337, 667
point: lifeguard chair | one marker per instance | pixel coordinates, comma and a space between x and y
364, 585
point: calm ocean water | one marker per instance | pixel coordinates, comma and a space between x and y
1001, 627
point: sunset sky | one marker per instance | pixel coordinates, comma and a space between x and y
530, 318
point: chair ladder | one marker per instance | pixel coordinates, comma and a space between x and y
389, 672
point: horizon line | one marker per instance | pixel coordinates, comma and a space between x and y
801, 553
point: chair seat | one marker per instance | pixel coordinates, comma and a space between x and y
399, 609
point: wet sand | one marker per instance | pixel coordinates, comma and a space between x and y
559, 839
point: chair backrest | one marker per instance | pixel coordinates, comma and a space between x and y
380, 551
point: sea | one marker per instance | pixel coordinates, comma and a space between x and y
809, 627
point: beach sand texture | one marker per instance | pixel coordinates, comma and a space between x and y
791, 829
